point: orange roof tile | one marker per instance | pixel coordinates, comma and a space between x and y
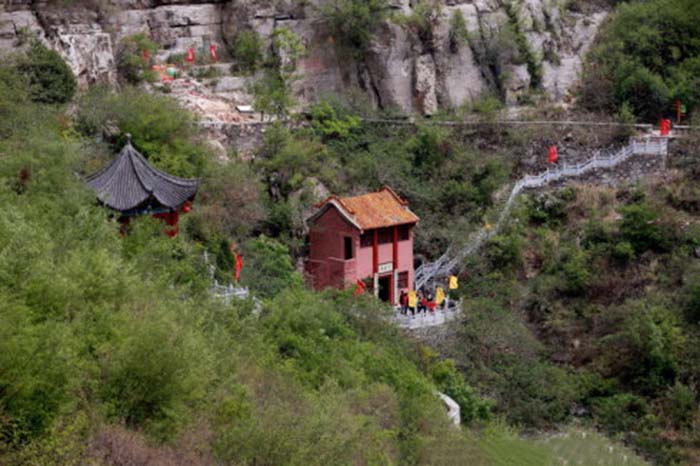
383, 208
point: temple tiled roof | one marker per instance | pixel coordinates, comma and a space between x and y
129, 184
380, 209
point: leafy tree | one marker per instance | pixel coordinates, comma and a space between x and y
164, 132
622, 413
354, 21
504, 251
273, 94
132, 64
641, 227
472, 407
51, 79
329, 124
646, 56
268, 267
230, 202
646, 352
429, 146
247, 50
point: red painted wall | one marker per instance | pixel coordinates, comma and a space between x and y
326, 263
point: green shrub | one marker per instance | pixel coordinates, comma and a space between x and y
646, 55
15, 101
164, 132
430, 147
533, 62
504, 251
548, 208
132, 66
679, 406
459, 34
690, 294
268, 267
622, 413
329, 125
247, 50
641, 227
623, 252
645, 92
150, 376
229, 202
354, 21
452, 383
651, 341
575, 273
422, 19
50, 78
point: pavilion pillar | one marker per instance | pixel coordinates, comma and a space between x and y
375, 260
395, 265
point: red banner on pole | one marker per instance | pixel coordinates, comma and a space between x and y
359, 288
553, 154
212, 52
190, 54
239, 267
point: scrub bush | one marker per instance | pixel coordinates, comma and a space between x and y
132, 64
51, 79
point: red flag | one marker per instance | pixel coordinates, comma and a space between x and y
665, 127
359, 288
212, 51
553, 154
190, 54
239, 267
146, 55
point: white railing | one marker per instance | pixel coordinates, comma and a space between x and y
224, 292
448, 262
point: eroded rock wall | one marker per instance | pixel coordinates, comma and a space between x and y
401, 68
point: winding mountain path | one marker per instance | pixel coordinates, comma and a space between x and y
429, 273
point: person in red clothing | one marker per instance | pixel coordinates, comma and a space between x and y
403, 301
422, 303
430, 303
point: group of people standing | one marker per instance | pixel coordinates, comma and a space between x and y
422, 301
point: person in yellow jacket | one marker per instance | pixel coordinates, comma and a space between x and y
439, 296
412, 301
453, 282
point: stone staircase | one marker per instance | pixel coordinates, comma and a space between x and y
446, 264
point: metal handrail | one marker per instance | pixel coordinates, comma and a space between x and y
428, 272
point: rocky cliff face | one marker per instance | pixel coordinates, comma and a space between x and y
516, 48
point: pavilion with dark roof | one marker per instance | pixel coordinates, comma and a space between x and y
132, 186
363, 237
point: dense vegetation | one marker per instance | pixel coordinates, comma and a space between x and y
646, 57
584, 310
586, 306
112, 343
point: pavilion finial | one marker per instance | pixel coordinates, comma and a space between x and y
128, 138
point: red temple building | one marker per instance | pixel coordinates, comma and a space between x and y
361, 237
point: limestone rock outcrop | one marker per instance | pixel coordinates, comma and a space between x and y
401, 69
